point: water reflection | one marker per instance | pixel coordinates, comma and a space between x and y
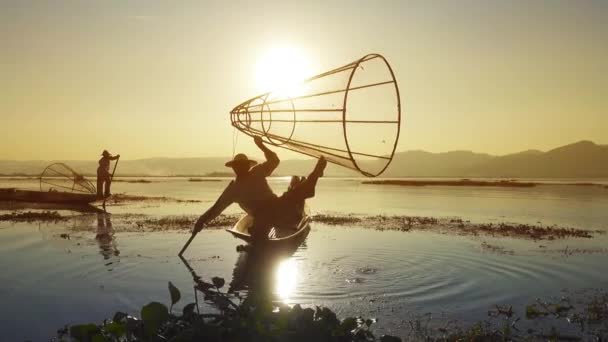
286, 278
268, 272
263, 272
105, 236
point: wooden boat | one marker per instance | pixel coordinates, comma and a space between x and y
59, 183
12, 194
291, 234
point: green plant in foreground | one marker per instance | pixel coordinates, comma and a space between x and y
253, 319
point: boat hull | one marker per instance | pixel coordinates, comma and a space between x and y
295, 234
45, 197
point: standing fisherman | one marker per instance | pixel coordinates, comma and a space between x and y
104, 175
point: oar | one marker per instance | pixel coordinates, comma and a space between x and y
111, 178
113, 171
188, 243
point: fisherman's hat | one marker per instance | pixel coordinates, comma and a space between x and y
240, 159
105, 153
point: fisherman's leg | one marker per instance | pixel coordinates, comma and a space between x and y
107, 188
260, 232
99, 186
306, 188
261, 228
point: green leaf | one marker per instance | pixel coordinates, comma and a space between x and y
83, 332
119, 316
154, 315
189, 309
116, 329
218, 282
175, 294
99, 338
348, 324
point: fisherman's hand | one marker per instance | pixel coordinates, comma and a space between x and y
118, 156
258, 141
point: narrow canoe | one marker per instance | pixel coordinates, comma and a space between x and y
284, 235
12, 194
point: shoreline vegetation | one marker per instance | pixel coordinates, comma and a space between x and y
462, 182
455, 226
229, 316
468, 182
411, 182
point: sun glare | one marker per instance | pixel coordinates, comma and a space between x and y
281, 71
286, 278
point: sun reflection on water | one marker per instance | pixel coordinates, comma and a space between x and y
286, 278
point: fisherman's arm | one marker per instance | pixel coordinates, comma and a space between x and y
115, 157
225, 199
272, 160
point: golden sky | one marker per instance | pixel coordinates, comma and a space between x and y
158, 78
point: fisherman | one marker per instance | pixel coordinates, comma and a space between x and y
103, 174
253, 194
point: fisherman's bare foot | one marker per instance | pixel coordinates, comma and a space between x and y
320, 167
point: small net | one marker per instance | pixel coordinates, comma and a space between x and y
60, 177
350, 115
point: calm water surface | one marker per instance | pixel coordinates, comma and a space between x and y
49, 281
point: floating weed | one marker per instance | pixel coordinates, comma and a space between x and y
456, 226
120, 197
336, 220
30, 216
496, 249
254, 319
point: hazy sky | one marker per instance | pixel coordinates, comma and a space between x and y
158, 78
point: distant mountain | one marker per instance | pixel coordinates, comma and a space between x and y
426, 164
582, 159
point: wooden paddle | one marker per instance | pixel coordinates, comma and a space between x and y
111, 178
188, 242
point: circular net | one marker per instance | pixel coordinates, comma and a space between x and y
351, 115
60, 177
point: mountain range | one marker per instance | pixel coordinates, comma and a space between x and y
583, 159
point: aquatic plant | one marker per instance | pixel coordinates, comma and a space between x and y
253, 319
30, 216
120, 197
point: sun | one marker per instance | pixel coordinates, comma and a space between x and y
281, 70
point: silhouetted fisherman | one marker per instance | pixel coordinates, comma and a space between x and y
104, 177
253, 194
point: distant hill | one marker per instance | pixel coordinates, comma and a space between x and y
581, 160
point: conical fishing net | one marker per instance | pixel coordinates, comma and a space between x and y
60, 177
351, 115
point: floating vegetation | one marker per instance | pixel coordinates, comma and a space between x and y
30, 216
468, 182
486, 247
119, 198
258, 318
462, 182
567, 251
336, 220
203, 180
183, 222
457, 226
255, 318
144, 181
141, 222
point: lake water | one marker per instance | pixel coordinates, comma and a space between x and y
49, 280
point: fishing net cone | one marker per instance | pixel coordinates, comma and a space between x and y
62, 178
350, 115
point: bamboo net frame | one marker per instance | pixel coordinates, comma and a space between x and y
60, 177
256, 117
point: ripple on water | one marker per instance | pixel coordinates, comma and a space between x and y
428, 270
